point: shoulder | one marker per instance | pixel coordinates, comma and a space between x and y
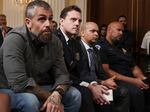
55, 41
58, 33
16, 37
18, 32
102, 43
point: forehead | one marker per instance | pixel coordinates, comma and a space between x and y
92, 26
118, 26
74, 14
103, 28
42, 11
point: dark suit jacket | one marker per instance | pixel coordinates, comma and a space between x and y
85, 73
72, 56
78, 66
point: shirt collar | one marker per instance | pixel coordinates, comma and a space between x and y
66, 37
86, 45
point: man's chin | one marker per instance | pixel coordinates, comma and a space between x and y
45, 37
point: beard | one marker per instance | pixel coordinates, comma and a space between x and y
116, 42
45, 36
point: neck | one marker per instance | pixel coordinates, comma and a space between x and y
109, 40
69, 35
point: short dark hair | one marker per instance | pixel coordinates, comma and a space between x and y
103, 25
68, 9
31, 7
55, 23
122, 16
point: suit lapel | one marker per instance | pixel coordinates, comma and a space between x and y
85, 55
96, 58
68, 56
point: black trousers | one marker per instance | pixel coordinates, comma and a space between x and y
120, 103
139, 99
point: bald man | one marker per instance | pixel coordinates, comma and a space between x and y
119, 62
96, 77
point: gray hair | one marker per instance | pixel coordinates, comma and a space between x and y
31, 7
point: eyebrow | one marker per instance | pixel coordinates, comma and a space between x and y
44, 15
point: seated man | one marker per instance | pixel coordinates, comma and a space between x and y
77, 62
4, 103
33, 62
119, 63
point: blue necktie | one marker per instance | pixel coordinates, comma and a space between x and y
92, 64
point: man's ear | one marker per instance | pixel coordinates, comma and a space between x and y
61, 20
82, 33
28, 22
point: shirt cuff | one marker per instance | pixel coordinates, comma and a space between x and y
85, 84
93, 83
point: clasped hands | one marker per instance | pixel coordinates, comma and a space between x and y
98, 92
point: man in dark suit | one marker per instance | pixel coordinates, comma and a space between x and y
4, 29
32, 60
70, 19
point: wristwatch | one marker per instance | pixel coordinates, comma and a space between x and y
60, 91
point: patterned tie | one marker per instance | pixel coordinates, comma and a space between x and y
93, 75
92, 62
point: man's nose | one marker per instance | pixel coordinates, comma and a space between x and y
121, 32
96, 33
47, 23
77, 22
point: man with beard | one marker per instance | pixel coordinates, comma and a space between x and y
118, 62
33, 61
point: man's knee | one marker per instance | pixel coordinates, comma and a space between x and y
4, 97
28, 102
4, 102
73, 96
